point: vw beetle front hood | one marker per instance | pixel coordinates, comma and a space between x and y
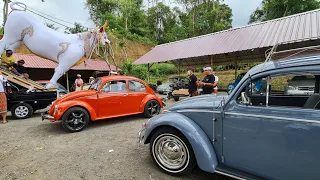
199, 102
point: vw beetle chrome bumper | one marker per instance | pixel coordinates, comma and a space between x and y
142, 133
46, 116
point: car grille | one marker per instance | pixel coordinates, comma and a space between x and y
306, 88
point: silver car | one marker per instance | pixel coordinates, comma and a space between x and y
300, 85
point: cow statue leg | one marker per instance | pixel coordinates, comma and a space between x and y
70, 57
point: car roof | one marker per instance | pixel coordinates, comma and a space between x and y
177, 76
110, 78
297, 61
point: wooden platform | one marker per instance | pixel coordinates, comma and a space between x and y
29, 84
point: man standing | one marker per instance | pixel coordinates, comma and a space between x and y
192, 83
21, 69
78, 83
215, 89
208, 82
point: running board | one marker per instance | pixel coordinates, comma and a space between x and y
236, 174
29, 84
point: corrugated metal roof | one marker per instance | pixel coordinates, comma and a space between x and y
34, 61
287, 30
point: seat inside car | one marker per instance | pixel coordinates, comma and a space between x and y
312, 102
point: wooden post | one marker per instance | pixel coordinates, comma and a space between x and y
179, 66
236, 71
148, 73
5, 11
211, 61
68, 82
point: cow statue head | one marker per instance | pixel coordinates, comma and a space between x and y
102, 37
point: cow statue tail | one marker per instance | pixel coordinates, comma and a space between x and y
18, 4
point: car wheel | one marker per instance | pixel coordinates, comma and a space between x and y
22, 111
75, 119
152, 108
176, 98
172, 152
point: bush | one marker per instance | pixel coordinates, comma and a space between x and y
140, 71
163, 69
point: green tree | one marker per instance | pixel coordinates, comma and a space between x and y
272, 9
51, 26
97, 8
78, 28
203, 16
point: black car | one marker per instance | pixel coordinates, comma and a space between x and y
62, 90
23, 103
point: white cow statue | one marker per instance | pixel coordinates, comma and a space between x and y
67, 50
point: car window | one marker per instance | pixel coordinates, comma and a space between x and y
96, 84
283, 90
115, 86
136, 86
59, 86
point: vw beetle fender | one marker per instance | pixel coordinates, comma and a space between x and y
148, 98
64, 106
201, 145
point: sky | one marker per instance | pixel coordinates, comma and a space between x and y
75, 11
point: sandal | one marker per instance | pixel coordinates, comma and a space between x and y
4, 122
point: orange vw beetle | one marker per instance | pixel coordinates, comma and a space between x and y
107, 97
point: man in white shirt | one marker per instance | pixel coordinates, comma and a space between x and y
215, 89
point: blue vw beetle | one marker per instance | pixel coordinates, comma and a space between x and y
254, 133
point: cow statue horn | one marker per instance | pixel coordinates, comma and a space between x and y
105, 25
18, 3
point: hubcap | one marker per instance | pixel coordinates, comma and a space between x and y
21, 111
171, 153
75, 120
153, 108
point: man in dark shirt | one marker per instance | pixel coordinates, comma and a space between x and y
208, 82
21, 69
192, 83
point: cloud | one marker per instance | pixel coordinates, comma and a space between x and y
241, 10
68, 10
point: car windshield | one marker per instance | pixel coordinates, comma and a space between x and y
166, 85
96, 84
172, 80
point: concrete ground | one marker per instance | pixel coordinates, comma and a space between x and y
108, 149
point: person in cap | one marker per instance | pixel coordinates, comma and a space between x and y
120, 72
208, 82
21, 71
7, 60
91, 80
192, 83
113, 73
78, 83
